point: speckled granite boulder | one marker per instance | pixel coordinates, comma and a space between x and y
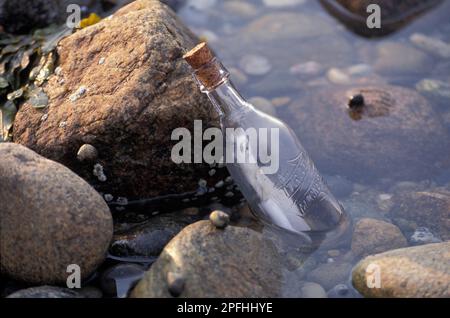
49, 218
421, 271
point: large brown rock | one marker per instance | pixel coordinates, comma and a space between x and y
211, 262
49, 218
123, 88
396, 135
421, 271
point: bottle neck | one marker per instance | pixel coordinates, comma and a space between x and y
226, 99
221, 91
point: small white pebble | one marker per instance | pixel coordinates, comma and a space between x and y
108, 197
212, 172
62, 124
229, 194
44, 117
79, 92
101, 61
385, 196
202, 183
219, 184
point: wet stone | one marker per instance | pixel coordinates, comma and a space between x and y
282, 3
46, 292
219, 219
330, 274
87, 152
255, 64
341, 291
310, 68
147, 240
434, 87
119, 279
312, 290
373, 236
401, 59
432, 45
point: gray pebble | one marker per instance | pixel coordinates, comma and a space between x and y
87, 152
312, 290
255, 64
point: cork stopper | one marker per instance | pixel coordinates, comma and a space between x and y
207, 68
199, 56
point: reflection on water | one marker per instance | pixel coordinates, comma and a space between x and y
303, 65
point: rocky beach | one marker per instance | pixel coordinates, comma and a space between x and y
88, 186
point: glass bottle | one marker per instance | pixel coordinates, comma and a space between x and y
292, 197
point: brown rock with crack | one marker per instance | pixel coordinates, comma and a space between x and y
419, 272
230, 262
49, 218
123, 88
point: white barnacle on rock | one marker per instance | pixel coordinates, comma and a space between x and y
62, 124
44, 117
58, 70
101, 61
87, 152
98, 172
78, 93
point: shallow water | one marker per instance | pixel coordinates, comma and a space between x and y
282, 56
